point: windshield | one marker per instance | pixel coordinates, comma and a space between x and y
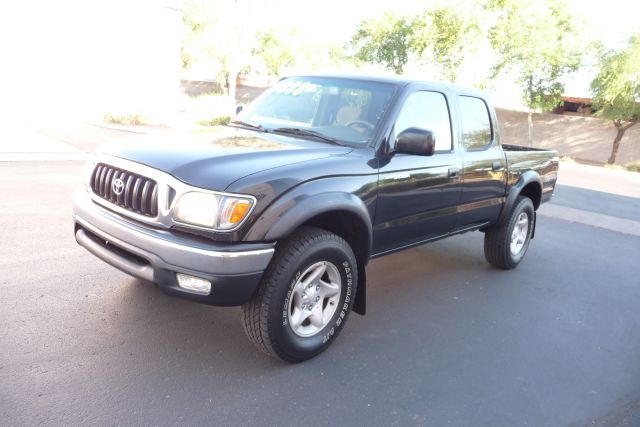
339, 109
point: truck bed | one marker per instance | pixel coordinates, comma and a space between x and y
544, 162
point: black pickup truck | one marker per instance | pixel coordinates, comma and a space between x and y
281, 211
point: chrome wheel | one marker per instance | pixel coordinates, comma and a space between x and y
314, 299
519, 234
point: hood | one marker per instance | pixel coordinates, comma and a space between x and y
214, 161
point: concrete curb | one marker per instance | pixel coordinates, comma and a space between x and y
593, 219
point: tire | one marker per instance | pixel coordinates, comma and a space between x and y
500, 247
305, 296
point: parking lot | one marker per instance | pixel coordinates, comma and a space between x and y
447, 340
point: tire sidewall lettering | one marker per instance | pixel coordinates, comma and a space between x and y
345, 302
285, 305
339, 319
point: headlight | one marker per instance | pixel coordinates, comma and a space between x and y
216, 211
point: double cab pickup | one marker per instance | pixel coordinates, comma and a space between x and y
281, 210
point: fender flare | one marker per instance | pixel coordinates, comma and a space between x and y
293, 210
525, 179
316, 205
289, 212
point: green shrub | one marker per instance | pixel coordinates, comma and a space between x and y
633, 167
126, 119
216, 121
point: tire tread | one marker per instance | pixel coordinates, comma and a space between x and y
497, 239
255, 319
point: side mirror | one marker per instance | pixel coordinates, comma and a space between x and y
238, 109
421, 142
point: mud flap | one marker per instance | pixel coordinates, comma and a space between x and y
360, 304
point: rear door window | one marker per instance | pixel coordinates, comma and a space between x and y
476, 123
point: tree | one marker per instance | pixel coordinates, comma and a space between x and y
275, 53
616, 89
221, 35
444, 36
539, 42
439, 37
385, 41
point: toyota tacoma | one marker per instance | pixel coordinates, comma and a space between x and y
282, 209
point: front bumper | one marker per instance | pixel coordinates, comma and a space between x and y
156, 255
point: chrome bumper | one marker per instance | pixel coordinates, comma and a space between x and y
233, 268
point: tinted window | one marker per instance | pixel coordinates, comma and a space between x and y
427, 110
476, 125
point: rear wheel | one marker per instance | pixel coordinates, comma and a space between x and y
506, 244
305, 296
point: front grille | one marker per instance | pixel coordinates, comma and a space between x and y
139, 194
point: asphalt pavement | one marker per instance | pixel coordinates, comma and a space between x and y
447, 339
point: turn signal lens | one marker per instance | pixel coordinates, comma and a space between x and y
234, 211
239, 211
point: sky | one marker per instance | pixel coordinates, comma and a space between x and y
87, 55
610, 21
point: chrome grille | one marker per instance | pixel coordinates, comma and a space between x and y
139, 194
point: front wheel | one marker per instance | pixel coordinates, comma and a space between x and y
506, 244
305, 296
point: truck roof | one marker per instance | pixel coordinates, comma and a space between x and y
396, 80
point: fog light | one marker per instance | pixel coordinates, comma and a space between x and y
194, 284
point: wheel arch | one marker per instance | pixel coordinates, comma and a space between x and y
529, 185
354, 231
532, 190
341, 213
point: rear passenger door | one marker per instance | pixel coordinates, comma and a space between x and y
418, 195
483, 164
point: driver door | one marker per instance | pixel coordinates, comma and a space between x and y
418, 195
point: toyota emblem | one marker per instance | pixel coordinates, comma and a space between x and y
118, 186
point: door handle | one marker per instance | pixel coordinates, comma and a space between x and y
454, 172
496, 166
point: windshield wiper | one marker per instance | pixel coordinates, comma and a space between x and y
306, 132
240, 123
